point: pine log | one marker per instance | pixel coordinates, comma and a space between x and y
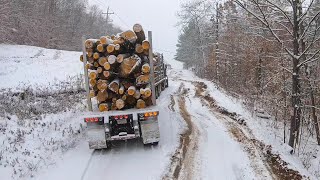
90, 43
111, 48
99, 70
129, 65
131, 101
120, 104
102, 85
137, 94
126, 83
89, 66
96, 64
121, 90
114, 86
106, 40
96, 55
106, 66
112, 59
81, 57
139, 49
92, 82
131, 90
102, 60
104, 107
145, 45
129, 35
141, 104
102, 96
142, 91
124, 97
91, 60
92, 93
137, 28
121, 57
113, 37
145, 68
93, 74
147, 91
90, 54
117, 47
143, 79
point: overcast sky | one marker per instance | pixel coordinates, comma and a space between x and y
159, 16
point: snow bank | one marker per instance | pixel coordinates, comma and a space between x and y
33, 66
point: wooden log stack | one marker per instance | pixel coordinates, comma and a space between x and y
118, 70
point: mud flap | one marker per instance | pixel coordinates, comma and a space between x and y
150, 131
97, 138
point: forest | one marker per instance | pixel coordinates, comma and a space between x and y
56, 24
266, 52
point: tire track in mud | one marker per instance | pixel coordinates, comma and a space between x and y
257, 150
183, 161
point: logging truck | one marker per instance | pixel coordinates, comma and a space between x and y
117, 119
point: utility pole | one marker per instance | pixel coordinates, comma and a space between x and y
108, 13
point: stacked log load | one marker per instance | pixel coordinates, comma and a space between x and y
119, 70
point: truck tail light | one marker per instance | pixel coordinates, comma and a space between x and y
151, 114
93, 119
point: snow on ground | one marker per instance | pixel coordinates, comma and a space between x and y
28, 65
221, 156
261, 128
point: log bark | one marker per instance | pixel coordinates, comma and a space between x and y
106, 40
92, 93
90, 43
102, 85
129, 35
137, 94
139, 49
137, 28
121, 57
129, 65
114, 86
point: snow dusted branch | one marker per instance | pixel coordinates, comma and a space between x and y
281, 10
311, 59
265, 22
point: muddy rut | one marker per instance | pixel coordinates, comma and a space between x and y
183, 161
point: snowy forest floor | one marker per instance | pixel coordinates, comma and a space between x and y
205, 134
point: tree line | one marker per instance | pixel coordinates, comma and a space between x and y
57, 24
266, 51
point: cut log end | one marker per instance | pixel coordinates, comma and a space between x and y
96, 56
104, 107
106, 66
112, 59
131, 90
145, 45
120, 104
145, 68
110, 48
141, 104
